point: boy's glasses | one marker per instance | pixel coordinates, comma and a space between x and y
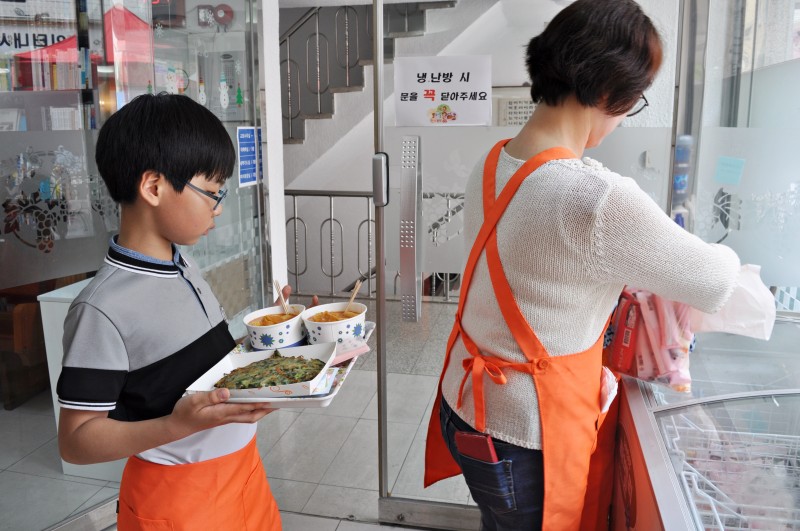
640, 105
217, 198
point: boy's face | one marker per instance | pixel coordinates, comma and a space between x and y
192, 212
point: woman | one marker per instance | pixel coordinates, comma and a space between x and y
556, 239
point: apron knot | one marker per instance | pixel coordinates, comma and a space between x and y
477, 365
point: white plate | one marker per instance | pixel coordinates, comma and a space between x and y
306, 401
240, 357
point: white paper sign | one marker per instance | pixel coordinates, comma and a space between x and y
443, 90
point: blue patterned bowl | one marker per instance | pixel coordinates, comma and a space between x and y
335, 331
289, 333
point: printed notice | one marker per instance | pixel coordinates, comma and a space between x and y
249, 151
443, 90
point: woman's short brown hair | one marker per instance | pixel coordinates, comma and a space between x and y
605, 52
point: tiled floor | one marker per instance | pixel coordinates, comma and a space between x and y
321, 462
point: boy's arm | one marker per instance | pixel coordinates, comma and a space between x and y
86, 437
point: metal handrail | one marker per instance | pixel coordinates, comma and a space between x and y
312, 97
365, 239
297, 25
331, 221
326, 193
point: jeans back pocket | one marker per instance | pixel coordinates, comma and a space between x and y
491, 484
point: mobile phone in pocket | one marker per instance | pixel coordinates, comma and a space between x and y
477, 446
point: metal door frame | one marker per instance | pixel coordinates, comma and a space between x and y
392, 509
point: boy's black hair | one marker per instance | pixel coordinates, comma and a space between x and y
167, 133
605, 52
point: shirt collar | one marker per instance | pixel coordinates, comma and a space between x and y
129, 260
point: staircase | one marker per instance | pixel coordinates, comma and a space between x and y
411, 30
324, 50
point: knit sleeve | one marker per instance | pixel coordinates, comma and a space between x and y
637, 244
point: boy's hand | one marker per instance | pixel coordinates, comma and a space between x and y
287, 290
202, 411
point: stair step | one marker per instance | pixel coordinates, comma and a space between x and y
351, 88
370, 62
404, 34
435, 5
317, 116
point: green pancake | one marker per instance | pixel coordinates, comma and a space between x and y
275, 370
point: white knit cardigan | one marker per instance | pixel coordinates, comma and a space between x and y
574, 234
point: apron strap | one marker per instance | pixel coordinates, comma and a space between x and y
494, 209
529, 343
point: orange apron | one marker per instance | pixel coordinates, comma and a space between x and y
229, 492
577, 445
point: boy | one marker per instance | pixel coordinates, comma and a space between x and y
148, 325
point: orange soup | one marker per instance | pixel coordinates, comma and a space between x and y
329, 317
271, 319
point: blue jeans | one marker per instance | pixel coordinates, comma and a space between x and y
510, 493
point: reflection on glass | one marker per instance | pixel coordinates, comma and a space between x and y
738, 462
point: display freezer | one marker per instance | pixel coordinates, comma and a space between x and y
725, 456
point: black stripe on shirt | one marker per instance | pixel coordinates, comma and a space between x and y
149, 392
83, 388
152, 391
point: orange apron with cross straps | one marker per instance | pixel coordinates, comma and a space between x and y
577, 440
228, 492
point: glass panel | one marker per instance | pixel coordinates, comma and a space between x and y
57, 216
65, 66
204, 54
747, 191
736, 461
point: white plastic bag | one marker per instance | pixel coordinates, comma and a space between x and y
750, 311
608, 389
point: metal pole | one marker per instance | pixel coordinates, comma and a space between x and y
296, 247
370, 260
380, 252
330, 210
319, 84
251, 50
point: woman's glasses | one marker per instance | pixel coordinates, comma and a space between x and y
639, 107
217, 198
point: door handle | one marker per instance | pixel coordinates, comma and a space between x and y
380, 179
410, 222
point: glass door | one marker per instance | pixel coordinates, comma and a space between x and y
443, 58
419, 240
427, 51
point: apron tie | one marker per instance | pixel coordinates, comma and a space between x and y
476, 365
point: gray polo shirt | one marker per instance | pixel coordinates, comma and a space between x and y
136, 337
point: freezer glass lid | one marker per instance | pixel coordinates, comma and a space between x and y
738, 460
725, 364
